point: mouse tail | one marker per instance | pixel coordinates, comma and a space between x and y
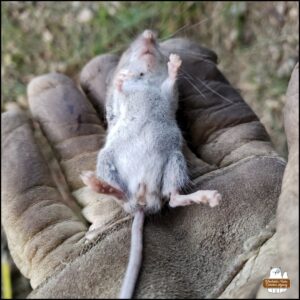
135, 257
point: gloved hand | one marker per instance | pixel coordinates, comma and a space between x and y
188, 251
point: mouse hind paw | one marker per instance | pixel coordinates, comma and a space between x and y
90, 179
212, 198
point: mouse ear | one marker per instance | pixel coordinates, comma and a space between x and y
95, 78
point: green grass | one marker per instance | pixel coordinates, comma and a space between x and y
257, 43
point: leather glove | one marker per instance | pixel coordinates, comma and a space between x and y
189, 252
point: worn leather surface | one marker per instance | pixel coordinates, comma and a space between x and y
282, 249
189, 252
288, 207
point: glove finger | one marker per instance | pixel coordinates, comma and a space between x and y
288, 204
42, 232
196, 166
94, 78
69, 122
218, 124
73, 128
291, 110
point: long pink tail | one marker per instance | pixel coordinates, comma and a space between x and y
135, 258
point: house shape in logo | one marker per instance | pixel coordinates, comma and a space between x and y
275, 273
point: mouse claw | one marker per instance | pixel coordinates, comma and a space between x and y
175, 60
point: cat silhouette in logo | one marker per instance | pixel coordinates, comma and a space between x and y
276, 273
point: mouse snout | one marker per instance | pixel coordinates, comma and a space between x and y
148, 48
149, 35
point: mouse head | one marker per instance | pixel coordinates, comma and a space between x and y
143, 58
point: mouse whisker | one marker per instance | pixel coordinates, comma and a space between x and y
205, 85
199, 56
182, 28
194, 86
186, 27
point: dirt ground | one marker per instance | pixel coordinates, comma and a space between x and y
257, 43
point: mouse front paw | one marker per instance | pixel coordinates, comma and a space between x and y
119, 82
174, 65
121, 77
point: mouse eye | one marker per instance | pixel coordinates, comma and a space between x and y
141, 74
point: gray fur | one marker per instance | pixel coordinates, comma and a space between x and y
143, 141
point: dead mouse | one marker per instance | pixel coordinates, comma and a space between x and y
142, 164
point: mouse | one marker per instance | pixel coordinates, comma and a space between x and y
142, 164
